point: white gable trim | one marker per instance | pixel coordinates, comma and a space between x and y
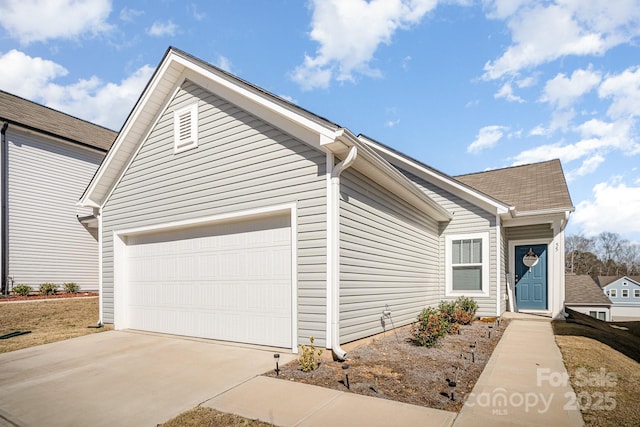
446, 183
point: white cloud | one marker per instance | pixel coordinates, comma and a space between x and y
614, 208
543, 32
91, 99
624, 89
349, 33
562, 91
392, 123
129, 15
539, 131
160, 29
487, 137
597, 137
224, 63
39, 20
587, 167
506, 92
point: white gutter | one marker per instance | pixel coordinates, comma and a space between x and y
333, 339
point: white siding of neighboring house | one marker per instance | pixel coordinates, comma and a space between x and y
241, 163
388, 259
467, 218
47, 243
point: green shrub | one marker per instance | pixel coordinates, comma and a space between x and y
430, 327
310, 357
48, 289
448, 312
22, 290
71, 288
465, 310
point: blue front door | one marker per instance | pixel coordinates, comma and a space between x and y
531, 283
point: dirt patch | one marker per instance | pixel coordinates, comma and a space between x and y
393, 367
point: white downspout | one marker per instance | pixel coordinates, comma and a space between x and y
334, 242
100, 291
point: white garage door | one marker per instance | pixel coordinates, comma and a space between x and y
228, 281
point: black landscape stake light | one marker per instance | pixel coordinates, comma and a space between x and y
473, 355
490, 328
345, 368
277, 357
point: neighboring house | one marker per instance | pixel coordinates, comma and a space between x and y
624, 293
584, 295
226, 212
47, 159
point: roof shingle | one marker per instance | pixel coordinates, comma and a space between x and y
29, 114
581, 289
533, 187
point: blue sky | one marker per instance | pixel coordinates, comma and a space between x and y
463, 86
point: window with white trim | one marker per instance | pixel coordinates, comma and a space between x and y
625, 293
613, 293
636, 293
185, 128
467, 264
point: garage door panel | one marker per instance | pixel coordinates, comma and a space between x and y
229, 282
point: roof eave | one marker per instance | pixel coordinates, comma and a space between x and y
382, 172
443, 180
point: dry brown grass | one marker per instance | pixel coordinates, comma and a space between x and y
48, 321
591, 349
208, 417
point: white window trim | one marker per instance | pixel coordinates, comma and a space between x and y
613, 293
449, 291
622, 293
179, 145
636, 293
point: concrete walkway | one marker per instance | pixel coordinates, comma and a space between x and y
520, 386
523, 383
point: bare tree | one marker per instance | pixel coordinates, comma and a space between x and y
610, 246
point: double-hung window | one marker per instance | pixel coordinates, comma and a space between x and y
467, 264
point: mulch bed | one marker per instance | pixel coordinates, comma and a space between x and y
35, 297
393, 367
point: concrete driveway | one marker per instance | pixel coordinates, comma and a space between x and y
120, 378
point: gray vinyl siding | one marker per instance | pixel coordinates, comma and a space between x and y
539, 231
47, 243
503, 270
388, 257
241, 163
467, 218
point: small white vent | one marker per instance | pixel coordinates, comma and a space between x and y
185, 124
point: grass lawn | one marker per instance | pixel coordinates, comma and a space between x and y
49, 321
603, 361
208, 417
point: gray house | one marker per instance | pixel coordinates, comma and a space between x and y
226, 212
584, 295
624, 293
47, 159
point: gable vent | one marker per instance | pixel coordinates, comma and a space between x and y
185, 123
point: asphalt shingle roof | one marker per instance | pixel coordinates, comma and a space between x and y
533, 187
581, 289
29, 114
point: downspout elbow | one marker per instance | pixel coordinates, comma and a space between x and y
348, 161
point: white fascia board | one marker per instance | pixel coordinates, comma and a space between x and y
536, 217
446, 183
378, 169
150, 99
305, 126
